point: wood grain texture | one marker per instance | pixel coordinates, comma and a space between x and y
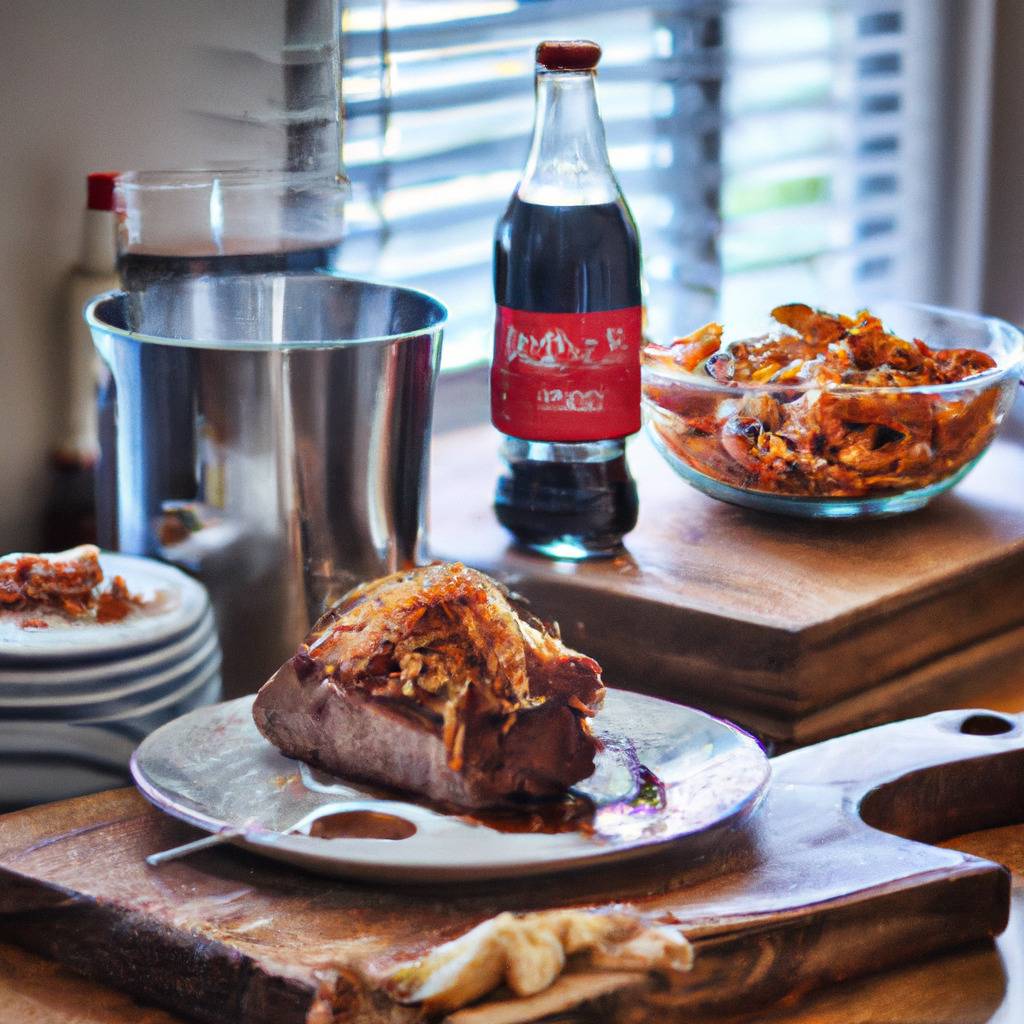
791, 627
979, 984
807, 894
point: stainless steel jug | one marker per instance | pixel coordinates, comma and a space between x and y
272, 433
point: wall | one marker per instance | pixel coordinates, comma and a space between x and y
93, 85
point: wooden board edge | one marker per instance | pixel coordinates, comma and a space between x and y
799, 954
957, 680
939, 685
160, 965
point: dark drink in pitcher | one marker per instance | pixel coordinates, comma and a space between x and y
139, 269
565, 379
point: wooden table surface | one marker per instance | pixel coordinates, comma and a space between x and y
982, 984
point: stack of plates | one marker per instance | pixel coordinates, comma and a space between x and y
77, 697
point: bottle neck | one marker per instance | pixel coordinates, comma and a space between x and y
568, 163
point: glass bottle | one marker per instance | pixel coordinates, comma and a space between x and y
69, 514
565, 379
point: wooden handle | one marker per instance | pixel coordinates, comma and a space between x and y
827, 873
927, 778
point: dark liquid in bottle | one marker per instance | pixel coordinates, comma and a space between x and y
546, 502
567, 259
138, 270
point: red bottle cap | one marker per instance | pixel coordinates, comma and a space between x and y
101, 190
568, 54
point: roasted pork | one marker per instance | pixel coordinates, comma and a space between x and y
436, 681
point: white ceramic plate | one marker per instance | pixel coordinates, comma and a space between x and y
62, 681
182, 603
60, 738
200, 689
212, 769
100, 700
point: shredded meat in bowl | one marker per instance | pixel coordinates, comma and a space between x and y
824, 405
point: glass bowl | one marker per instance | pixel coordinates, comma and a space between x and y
951, 425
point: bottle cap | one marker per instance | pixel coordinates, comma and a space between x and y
101, 190
568, 54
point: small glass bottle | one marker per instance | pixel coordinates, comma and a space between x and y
565, 379
69, 514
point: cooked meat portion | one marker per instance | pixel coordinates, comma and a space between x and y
63, 581
816, 409
67, 582
432, 681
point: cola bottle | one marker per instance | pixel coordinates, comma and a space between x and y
565, 378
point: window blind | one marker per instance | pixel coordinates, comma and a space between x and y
770, 149
831, 140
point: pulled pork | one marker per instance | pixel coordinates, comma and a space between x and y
821, 407
68, 582
433, 681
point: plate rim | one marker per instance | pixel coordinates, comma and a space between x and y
81, 707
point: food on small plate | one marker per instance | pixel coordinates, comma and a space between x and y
435, 681
824, 405
68, 583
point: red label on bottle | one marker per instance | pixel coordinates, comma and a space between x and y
566, 376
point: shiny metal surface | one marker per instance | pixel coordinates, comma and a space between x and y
272, 437
212, 769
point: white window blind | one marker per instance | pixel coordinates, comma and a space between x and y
771, 150
832, 148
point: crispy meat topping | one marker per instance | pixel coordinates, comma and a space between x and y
829, 437
68, 582
448, 649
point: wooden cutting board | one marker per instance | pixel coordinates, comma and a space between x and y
796, 629
809, 892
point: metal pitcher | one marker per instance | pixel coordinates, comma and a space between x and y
271, 438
